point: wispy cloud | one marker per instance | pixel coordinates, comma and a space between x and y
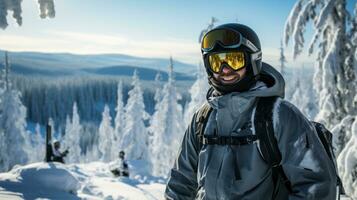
85, 43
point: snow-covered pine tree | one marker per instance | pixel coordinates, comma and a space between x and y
89, 142
303, 96
167, 127
13, 123
15, 140
67, 128
158, 90
198, 93
38, 145
106, 136
343, 131
282, 59
347, 163
335, 79
135, 135
72, 137
210, 26
119, 117
157, 99
340, 140
3, 155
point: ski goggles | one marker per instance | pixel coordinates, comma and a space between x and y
228, 38
235, 60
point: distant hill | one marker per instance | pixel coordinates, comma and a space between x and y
144, 73
65, 63
29, 71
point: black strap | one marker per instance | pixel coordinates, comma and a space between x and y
325, 137
201, 120
264, 129
263, 122
230, 140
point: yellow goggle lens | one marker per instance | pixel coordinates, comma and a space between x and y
234, 59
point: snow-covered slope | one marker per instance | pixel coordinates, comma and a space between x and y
79, 181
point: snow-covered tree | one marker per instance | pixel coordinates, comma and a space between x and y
167, 128
198, 93
15, 140
335, 79
72, 137
210, 26
158, 90
119, 117
38, 145
13, 123
135, 135
106, 136
347, 163
157, 99
342, 134
93, 154
90, 141
46, 7
303, 95
282, 59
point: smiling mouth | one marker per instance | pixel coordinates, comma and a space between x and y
229, 78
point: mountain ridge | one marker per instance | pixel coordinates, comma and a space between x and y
74, 63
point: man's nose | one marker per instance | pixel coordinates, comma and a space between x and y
226, 69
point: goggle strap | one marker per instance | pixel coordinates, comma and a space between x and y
254, 58
248, 44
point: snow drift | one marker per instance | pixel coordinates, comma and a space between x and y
45, 180
89, 181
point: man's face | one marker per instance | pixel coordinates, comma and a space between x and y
228, 76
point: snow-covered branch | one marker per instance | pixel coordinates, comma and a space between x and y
46, 7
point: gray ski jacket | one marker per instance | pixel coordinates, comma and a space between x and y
240, 172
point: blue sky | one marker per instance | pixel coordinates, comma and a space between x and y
154, 28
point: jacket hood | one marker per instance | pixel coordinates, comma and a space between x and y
274, 81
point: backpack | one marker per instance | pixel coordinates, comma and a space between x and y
263, 123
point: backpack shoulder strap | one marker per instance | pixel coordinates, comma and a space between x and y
263, 123
201, 120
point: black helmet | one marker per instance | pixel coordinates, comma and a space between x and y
239, 37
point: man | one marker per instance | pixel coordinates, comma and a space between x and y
208, 169
122, 168
57, 156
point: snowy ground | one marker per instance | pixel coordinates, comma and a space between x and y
91, 181
80, 181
